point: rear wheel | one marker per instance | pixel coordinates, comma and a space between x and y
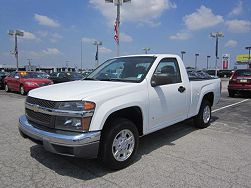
6, 87
202, 120
21, 90
119, 144
231, 93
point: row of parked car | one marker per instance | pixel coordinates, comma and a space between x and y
24, 81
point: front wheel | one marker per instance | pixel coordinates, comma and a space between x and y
202, 120
21, 90
6, 88
231, 93
119, 144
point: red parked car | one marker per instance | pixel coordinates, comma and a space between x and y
239, 82
23, 81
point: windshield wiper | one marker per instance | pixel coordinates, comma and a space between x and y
112, 79
90, 79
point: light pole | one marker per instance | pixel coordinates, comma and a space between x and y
182, 53
97, 43
207, 60
117, 3
196, 55
216, 35
15, 34
146, 50
29, 60
248, 48
81, 56
67, 65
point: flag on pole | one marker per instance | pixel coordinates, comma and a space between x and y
116, 33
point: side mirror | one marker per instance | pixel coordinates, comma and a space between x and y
160, 79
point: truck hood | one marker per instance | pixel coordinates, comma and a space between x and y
77, 90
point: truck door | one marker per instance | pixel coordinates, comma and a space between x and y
168, 99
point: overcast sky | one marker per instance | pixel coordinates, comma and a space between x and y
53, 29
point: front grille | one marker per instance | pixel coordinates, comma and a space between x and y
40, 118
41, 102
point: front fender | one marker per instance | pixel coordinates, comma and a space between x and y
104, 110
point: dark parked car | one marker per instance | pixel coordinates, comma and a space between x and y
225, 73
59, 77
2, 76
240, 82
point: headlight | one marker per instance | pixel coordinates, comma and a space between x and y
76, 106
73, 123
31, 83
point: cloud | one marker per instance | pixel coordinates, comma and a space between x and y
125, 38
139, 11
180, 36
46, 21
52, 51
231, 44
88, 40
237, 10
104, 50
55, 37
238, 26
202, 18
29, 35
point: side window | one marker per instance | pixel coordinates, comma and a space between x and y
169, 68
12, 74
17, 75
61, 75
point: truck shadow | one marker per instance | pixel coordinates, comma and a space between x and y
90, 169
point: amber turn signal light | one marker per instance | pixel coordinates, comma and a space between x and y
89, 105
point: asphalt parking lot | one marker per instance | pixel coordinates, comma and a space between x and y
178, 156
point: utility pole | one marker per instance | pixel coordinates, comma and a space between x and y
207, 60
15, 34
117, 3
182, 53
196, 55
216, 35
146, 50
81, 56
97, 43
29, 60
249, 62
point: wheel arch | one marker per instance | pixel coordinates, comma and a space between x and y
132, 113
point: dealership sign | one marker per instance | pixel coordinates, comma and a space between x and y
243, 58
225, 61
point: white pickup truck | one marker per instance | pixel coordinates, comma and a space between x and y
123, 99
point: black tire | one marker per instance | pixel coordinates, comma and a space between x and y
6, 87
202, 120
21, 90
231, 93
112, 132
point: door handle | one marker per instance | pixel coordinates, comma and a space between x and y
181, 89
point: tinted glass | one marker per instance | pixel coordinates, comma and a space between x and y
243, 72
126, 69
169, 67
31, 75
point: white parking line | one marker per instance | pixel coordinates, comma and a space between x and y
229, 105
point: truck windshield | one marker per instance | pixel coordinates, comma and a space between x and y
125, 69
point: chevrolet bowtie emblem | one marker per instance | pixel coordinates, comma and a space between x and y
35, 108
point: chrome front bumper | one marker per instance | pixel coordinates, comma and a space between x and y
62, 142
